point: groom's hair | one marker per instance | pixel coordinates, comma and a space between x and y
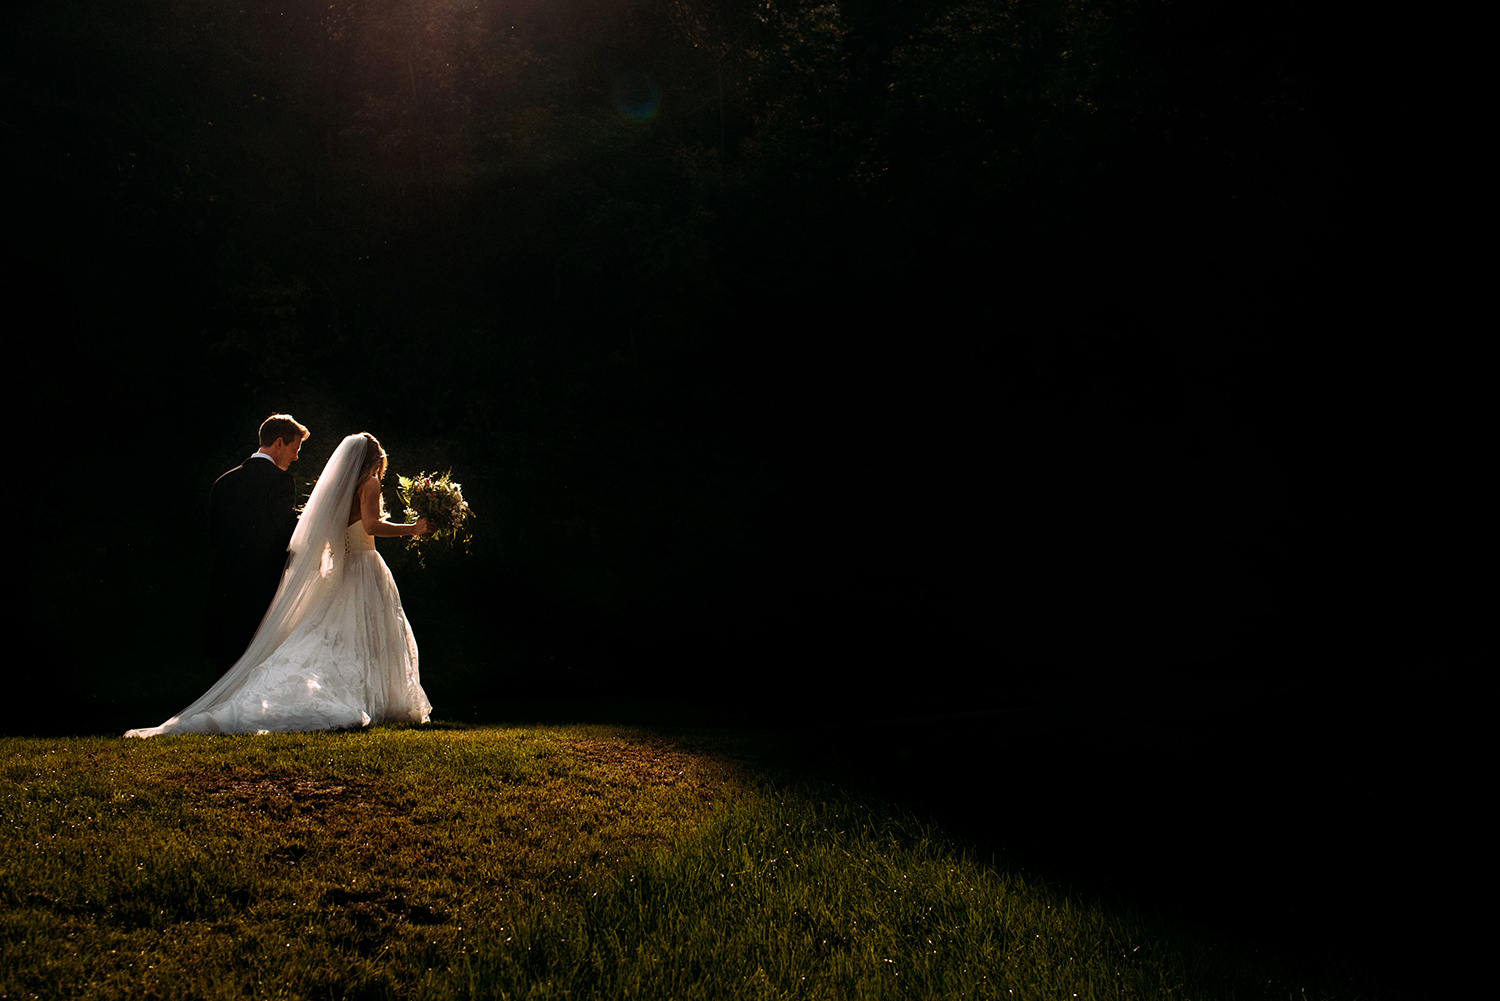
283, 426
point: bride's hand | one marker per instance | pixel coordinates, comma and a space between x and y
422, 528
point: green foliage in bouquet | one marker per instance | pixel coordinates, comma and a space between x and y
441, 501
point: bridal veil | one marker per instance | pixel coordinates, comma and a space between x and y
313, 573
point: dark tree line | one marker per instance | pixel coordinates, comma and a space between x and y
776, 343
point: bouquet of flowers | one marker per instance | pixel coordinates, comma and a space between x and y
441, 501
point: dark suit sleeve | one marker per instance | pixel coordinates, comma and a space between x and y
258, 517
286, 508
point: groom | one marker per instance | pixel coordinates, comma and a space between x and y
252, 512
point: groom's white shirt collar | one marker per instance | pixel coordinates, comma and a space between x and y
262, 455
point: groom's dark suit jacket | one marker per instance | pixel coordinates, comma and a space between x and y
252, 512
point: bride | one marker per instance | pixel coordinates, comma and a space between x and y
334, 649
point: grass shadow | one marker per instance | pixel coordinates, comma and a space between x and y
1243, 817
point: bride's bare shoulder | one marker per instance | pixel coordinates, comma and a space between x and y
369, 488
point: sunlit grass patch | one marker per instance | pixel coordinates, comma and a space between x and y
309, 861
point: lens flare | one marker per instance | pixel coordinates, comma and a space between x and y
637, 96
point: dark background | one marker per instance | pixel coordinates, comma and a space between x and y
806, 365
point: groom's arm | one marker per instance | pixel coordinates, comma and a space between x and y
286, 507
274, 507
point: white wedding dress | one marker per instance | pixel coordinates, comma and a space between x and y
334, 649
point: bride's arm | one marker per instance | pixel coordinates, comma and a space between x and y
369, 513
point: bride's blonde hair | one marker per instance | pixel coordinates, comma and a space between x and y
374, 462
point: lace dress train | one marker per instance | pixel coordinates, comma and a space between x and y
349, 660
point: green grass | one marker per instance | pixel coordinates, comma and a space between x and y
522, 863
